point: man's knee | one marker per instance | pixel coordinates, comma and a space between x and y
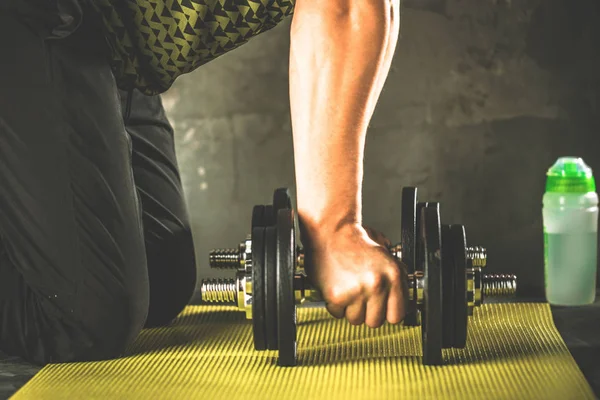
89, 333
172, 271
97, 321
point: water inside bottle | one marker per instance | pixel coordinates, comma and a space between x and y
570, 265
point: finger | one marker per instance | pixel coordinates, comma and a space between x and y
336, 311
398, 298
396, 304
355, 312
376, 309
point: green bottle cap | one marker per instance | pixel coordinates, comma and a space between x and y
570, 175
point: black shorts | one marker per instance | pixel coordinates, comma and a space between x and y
95, 240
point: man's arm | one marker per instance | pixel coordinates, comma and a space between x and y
340, 55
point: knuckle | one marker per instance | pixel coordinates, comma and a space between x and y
336, 296
374, 282
395, 276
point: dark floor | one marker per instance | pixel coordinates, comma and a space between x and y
579, 327
14, 373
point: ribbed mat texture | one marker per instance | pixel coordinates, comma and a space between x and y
513, 352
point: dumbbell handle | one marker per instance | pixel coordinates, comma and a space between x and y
233, 291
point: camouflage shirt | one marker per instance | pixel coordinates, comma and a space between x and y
152, 42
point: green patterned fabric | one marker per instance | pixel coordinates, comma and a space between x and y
153, 42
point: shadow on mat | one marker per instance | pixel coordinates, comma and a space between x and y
186, 330
381, 348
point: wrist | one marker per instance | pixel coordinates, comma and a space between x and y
317, 231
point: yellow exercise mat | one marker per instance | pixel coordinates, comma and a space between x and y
513, 352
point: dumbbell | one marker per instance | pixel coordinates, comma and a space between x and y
444, 286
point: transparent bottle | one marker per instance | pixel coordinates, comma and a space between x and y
570, 212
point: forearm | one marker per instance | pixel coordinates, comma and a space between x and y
339, 59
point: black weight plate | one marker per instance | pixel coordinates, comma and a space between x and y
258, 306
258, 215
433, 204
420, 205
418, 255
408, 227
419, 260
258, 290
431, 326
286, 305
461, 317
271, 286
447, 287
408, 232
269, 218
281, 199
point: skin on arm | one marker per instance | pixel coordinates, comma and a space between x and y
341, 52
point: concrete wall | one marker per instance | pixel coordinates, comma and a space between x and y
483, 96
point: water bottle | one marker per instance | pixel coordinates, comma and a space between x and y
570, 212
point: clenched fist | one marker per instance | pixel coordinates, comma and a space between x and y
357, 276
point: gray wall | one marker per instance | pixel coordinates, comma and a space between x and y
483, 96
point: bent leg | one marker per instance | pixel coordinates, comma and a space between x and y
167, 232
73, 275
